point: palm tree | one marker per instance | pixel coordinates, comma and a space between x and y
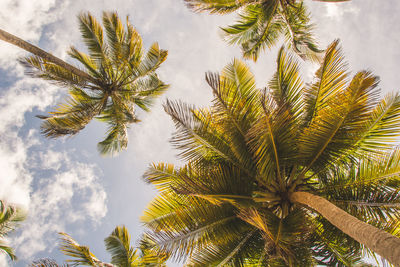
261, 23
46, 262
118, 245
117, 78
10, 217
292, 175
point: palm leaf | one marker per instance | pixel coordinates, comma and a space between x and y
298, 32
118, 245
256, 29
217, 6
40, 68
92, 34
81, 254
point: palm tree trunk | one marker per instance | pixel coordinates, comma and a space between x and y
12, 39
379, 241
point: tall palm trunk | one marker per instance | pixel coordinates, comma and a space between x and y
12, 39
379, 241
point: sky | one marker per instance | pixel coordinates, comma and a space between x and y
64, 184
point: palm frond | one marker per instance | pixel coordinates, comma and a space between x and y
40, 68
256, 29
152, 60
10, 217
183, 225
71, 117
382, 128
118, 245
217, 6
86, 60
272, 138
115, 36
229, 252
195, 136
92, 34
81, 254
298, 32
338, 120
144, 91
332, 247
117, 133
9, 251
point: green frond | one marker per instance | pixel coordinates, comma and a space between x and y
9, 251
118, 245
152, 60
256, 29
383, 126
86, 60
72, 116
81, 254
195, 137
40, 68
272, 138
10, 218
217, 6
150, 255
299, 32
286, 85
182, 225
332, 247
229, 252
116, 139
132, 47
331, 78
338, 120
92, 34
145, 91
368, 190
116, 36
235, 106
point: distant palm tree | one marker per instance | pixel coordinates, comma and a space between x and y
262, 23
46, 262
118, 245
293, 175
118, 78
10, 217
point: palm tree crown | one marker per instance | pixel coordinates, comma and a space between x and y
118, 244
120, 77
257, 160
261, 23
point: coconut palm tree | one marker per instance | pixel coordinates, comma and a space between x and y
292, 175
117, 244
10, 217
261, 23
118, 77
46, 262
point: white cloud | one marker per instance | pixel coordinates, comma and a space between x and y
72, 194
55, 188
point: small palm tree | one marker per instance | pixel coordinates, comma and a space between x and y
262, 23
118, 245
293, 175
46, 262
10, 217
117, 78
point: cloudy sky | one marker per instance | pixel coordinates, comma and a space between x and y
64, 184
